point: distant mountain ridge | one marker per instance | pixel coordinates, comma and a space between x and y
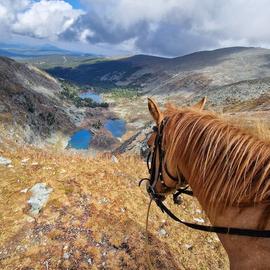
23, 50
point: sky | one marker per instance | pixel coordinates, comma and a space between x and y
121, 27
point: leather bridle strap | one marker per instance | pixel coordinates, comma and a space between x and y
216, 229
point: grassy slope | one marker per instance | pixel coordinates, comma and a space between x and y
47, 62
79, 229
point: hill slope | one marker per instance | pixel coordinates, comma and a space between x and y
30, 104
224, 75
94, 218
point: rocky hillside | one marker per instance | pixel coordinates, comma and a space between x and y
30, 103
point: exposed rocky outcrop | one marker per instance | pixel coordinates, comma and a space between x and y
136, 144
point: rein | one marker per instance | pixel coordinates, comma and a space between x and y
156, 174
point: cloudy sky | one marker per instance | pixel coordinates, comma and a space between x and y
159, 27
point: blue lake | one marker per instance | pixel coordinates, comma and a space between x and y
81, 139
93, 96
117, 127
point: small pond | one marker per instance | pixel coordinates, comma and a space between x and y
95, 97
116, 126
81, 139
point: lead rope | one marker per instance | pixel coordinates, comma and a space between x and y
150, 265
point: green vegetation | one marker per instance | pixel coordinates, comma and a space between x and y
123, 93
71, 92
52, 61
97, 125
119, 92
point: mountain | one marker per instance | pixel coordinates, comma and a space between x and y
23, 50
207, 72
30, 103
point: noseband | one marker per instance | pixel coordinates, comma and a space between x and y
156, 174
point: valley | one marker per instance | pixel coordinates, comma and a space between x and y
223, 75
79, 126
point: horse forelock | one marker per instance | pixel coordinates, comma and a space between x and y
227, 165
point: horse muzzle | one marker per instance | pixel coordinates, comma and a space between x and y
153, 194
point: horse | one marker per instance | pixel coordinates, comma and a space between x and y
228, 170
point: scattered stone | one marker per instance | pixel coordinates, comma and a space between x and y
198, 211
25, 160
188, 246
114, 159
123, 210
24, 190
90, 261
34, 164
5, 161
66, 255
40, 196
162, 232
10, 166
200, 220
103, 201
46, 265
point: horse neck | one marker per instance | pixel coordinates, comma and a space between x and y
250, 217
222, 163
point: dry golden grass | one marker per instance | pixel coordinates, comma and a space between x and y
95, 217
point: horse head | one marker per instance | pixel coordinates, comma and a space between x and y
165, 178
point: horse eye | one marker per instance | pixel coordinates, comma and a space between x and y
155, 128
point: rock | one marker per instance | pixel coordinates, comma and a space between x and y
103, 201
34, 164
114, 159
40, 196
24, 190
188, 246
5, 161
200, 220
162, 232
66, 255
10, 166
25, 160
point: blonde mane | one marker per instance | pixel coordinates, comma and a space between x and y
228, 166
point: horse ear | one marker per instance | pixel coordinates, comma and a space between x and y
200, 105
154, 111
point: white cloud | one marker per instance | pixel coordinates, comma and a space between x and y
85, 35
40, 19
167, 27
178, 26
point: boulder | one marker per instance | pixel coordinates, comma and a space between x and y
40, 196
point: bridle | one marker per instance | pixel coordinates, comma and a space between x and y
156, 174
